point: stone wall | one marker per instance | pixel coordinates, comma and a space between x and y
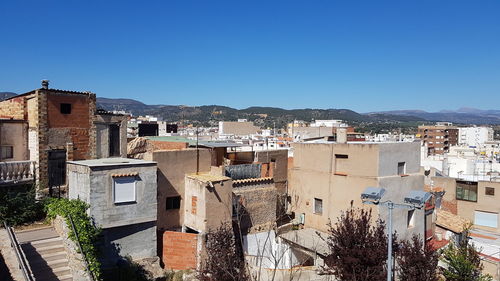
76, 260
13, 108
257, 204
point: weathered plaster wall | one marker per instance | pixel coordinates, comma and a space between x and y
207, 207
173, 165
15, 134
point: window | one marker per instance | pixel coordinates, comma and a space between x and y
318, 206
124, 189
489, 191
401, 168
486, 219
340, 163
410, 222
66, 108
7, 152
466, 191
173, 203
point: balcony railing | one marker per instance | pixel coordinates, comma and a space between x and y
17, 172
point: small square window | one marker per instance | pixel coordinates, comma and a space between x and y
66, 108
489, 191
318, 206
124, 189
401, 168
7, 152
173, 203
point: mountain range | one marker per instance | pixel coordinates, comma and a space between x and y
464, 115
273, 116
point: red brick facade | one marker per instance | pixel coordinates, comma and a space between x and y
167, 145
79, 116
179, 250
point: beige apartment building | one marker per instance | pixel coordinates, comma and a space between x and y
476, 201
327, 177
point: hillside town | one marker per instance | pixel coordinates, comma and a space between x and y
90, 194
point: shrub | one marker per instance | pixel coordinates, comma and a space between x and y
88, 233
18, 206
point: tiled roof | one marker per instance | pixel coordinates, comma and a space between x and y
252, 180
451, 221
134, 174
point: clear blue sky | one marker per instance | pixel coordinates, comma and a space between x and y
362, 55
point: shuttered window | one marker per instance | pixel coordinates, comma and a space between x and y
486, 219
124, 189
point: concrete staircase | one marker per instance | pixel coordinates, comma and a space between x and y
46, 254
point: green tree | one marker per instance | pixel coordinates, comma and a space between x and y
463, 262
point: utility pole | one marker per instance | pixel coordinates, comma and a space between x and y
197, 153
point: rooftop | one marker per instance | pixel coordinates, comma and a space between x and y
172, 139
109, 162
207, 177
215, 144
451, 221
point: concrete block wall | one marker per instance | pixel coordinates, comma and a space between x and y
180, 250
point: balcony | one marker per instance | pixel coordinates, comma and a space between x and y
17, 172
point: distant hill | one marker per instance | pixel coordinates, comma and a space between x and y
261, 116
6, 95
463, 115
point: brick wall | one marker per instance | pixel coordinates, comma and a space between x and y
180, 250
450, 206
13, 108
79, 116
167, 145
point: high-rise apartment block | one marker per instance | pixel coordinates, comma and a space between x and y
438, 138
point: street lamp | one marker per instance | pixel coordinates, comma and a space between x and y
415, 200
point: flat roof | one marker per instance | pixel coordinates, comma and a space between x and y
172, 139
322, 141
214, 144
109, 162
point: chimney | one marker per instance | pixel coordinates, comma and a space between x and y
341, 135
45, 84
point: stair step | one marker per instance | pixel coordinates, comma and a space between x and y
67, 277
51, 263
46, 240
47, 256
52, 272
44, 250
45, 244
